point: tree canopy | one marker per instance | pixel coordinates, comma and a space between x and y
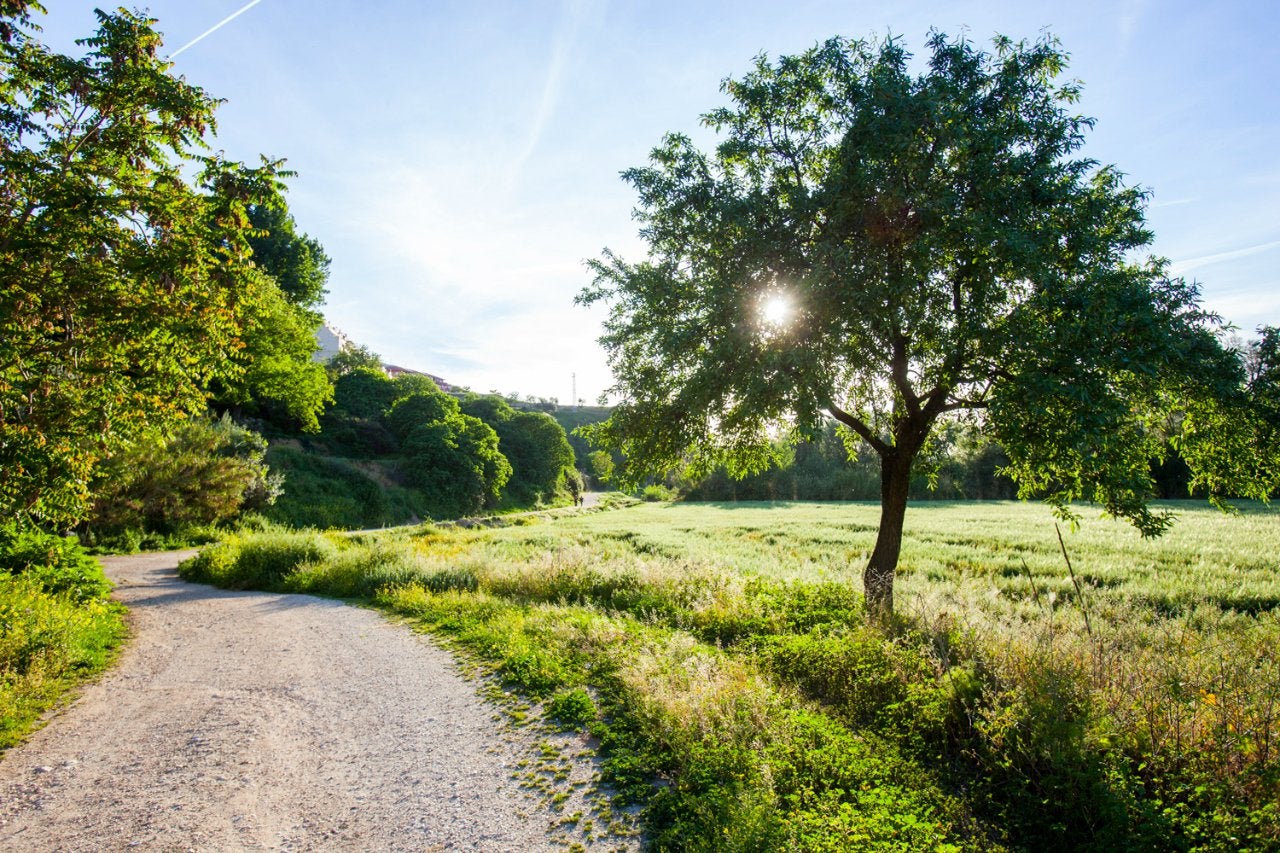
281, 381
533, 442
451, 457
276, 376
365, 392
894, 250
352, 357
126, 274
296, 261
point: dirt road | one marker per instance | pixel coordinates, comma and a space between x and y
257, 721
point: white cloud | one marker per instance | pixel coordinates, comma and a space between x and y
1182, 267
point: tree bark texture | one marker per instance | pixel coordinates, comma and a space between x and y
877, 578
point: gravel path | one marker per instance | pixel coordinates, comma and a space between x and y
258, 721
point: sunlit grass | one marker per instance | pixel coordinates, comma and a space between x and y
50, 643
980, 547
1134, 706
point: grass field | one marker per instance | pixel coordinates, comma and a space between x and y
977, 548
719, 654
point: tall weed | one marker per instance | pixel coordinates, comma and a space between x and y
258, 560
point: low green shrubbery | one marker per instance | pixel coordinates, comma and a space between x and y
183, 492
57, 626
356, 572
572, 709
56, 564
258, 560
658, 492
132, 541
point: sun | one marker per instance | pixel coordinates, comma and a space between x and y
776, 310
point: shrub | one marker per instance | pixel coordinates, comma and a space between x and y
57, 626
533, 670
409, 413
258, 560
657, 492
205, 474
456, 464
57, 564
365, 392
572, 709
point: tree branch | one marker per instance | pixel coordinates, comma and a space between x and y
963, 404
864, 432
785, 152
898, 367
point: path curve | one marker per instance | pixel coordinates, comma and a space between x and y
240, 720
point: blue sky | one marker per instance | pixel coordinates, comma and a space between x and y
459, 160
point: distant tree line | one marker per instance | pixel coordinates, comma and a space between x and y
393, 449
964, 468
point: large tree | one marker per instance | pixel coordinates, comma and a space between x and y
297, 262
891, 250
126, 277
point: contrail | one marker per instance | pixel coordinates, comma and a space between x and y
228, 19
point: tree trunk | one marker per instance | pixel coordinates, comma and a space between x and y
877, 578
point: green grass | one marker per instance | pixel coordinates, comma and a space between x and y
719, 654
57, 626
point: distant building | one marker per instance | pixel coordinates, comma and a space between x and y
330, 342
394, 370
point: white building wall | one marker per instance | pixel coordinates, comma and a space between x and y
330, 342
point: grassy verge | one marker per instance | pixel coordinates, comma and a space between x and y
720, 656
57, 626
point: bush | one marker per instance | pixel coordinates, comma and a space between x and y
258, 560
456, 465
205, 474
572, 709
535, 671
658, 492
56, 564
365, 392
57, 627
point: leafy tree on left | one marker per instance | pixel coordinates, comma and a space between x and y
126, 272
280, 381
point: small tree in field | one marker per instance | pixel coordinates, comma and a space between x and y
893, 250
